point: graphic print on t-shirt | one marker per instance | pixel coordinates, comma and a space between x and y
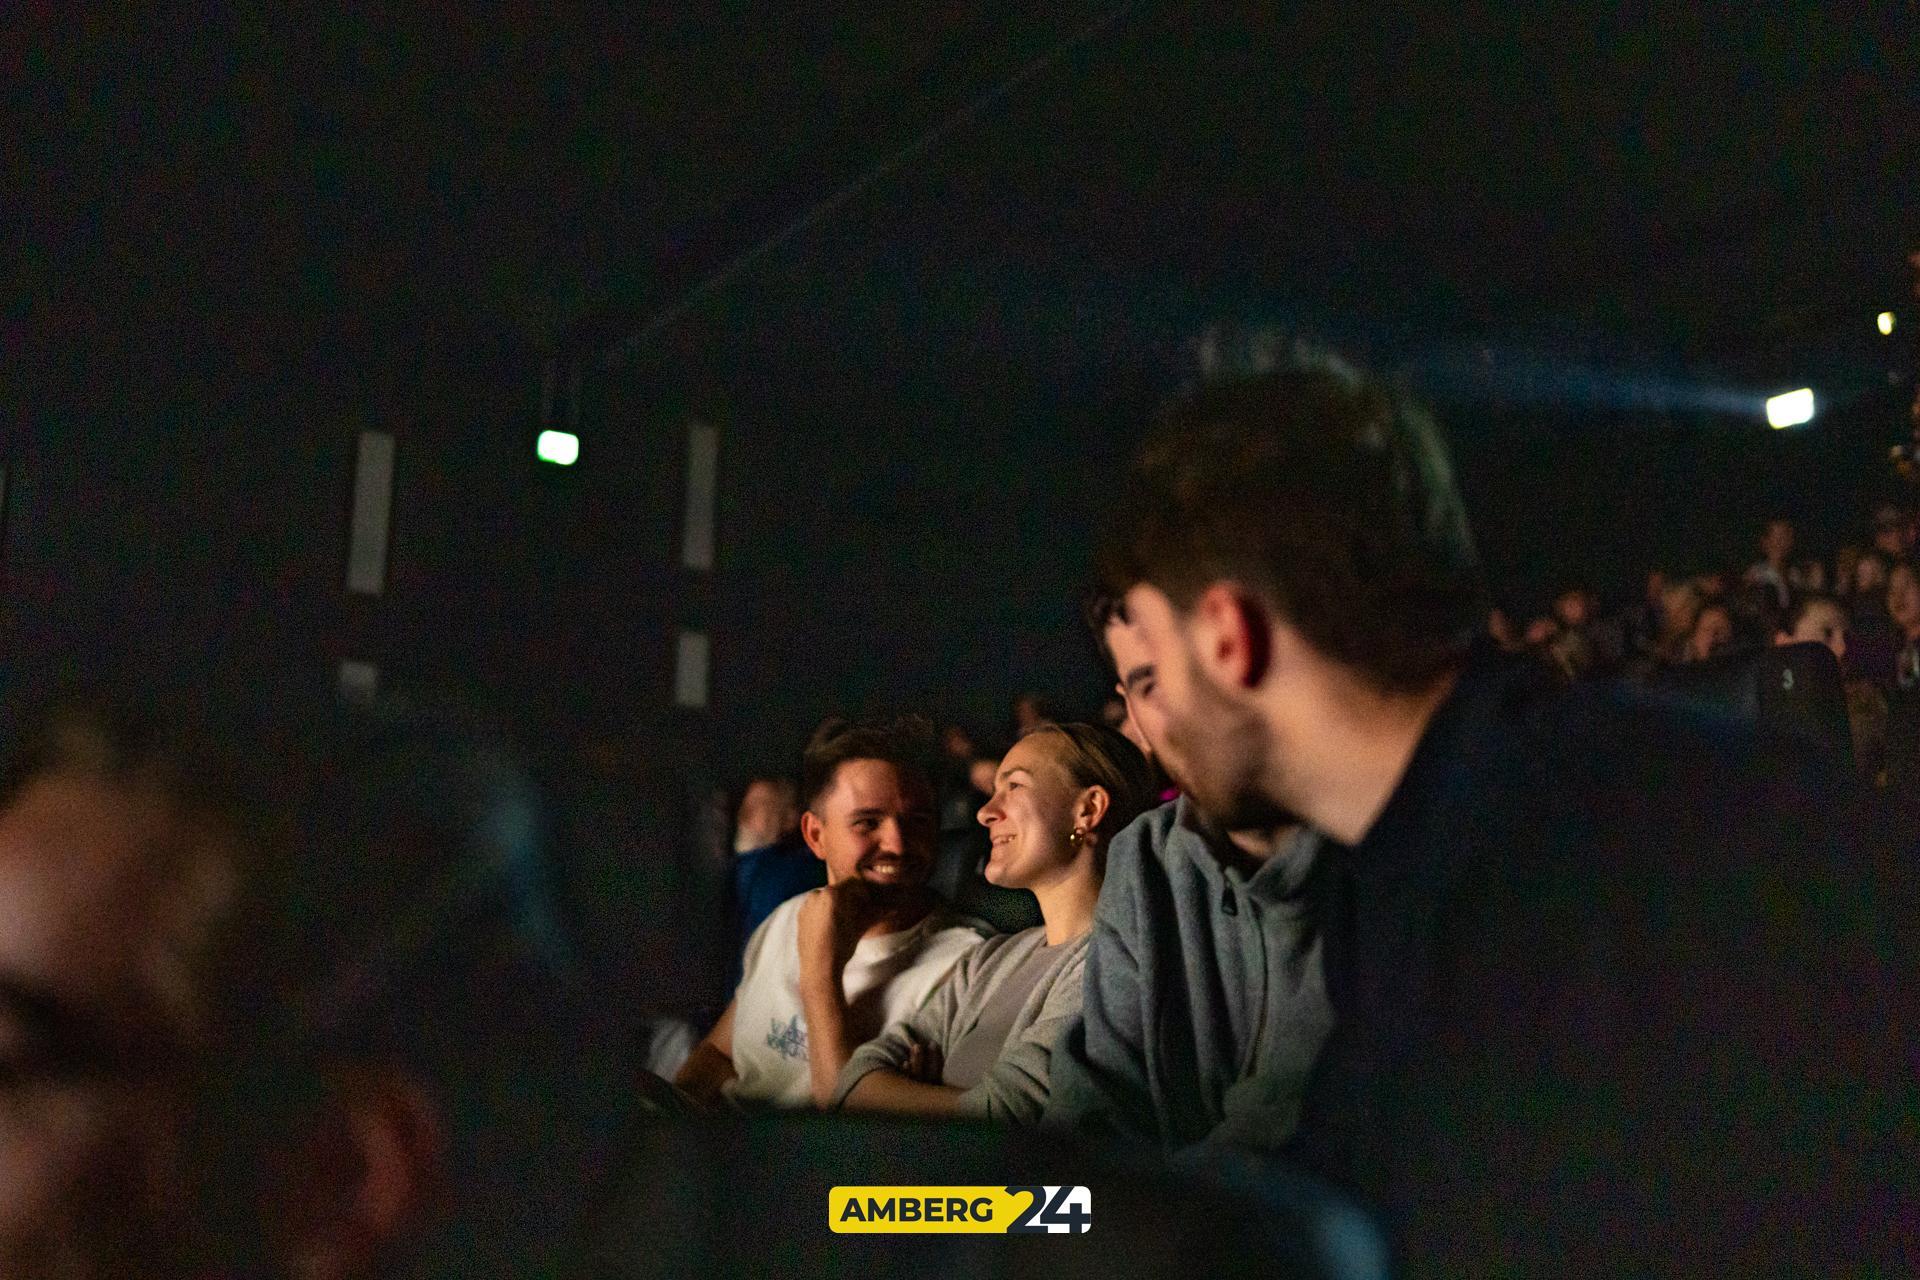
789, 1041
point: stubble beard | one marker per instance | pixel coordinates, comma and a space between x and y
1222, 756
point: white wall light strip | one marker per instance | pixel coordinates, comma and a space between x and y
372, 514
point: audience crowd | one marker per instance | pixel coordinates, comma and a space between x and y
1861, 603
1431, 937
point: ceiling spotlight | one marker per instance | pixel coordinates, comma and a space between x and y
1790, 409
1884, 321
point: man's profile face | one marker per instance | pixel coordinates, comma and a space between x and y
94, 991
874, 823
1138, 685
1212, 745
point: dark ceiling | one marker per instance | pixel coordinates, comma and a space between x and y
208, 204
236, 243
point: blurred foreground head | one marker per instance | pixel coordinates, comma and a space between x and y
255, 990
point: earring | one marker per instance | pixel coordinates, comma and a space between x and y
1077, 835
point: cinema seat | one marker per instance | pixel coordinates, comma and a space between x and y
1794, 687
959, 877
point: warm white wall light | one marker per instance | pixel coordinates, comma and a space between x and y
1791, 409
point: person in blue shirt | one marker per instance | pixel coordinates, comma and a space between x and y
770, 860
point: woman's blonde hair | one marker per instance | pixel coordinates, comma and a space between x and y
1096, 756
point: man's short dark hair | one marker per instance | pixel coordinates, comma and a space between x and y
906, 743
1102, 608
1327, 493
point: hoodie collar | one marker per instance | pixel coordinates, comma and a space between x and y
1282, 876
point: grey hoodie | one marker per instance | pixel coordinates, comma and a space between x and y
1205, 1006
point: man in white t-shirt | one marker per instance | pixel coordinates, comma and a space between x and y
829, 969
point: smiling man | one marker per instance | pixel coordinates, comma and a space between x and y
1612, 990
831, 967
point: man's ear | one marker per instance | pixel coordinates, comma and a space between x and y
1233, 635
362, 1177
813, 831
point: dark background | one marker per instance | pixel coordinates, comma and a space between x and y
1598, 240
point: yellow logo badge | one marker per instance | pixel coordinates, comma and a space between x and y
960, 1210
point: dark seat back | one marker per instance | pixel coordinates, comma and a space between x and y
960, 878
1794, 687
750, 1198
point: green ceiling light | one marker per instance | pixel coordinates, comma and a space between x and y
561, 448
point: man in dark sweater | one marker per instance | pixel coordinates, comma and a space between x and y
1612, 987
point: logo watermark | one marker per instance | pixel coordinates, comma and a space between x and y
960, 1210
